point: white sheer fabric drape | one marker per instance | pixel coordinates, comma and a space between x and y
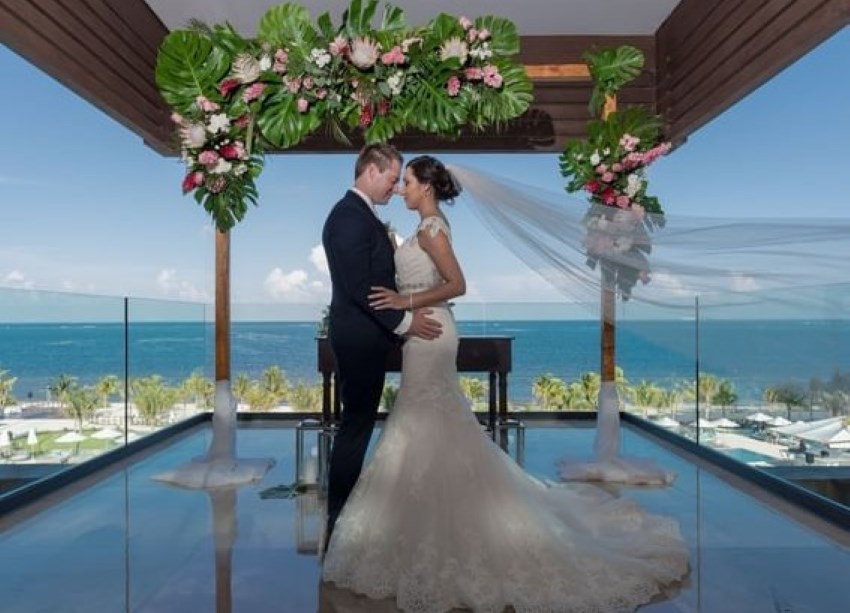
728, 264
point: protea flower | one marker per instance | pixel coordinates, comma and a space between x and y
454, 47
364, 53
245, 68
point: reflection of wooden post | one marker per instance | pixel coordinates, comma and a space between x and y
222, 306
609, 296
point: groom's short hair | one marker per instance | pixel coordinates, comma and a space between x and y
379, 154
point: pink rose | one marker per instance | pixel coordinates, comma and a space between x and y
232, 151
192, 181
492, 77
254, 91
473, 73
617, 167
307, 82
208, 158
601, 169
206, 105
453, 86
227, 86
393, 56
293, 85
465, 22
472, 35
338, 46
622, 201
177, 118
608, 177
303, 105
483, 34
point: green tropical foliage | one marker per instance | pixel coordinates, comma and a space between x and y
7, 383
153, 398
80, 403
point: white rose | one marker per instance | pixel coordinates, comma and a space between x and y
595, 159
265, 63
222, 167
218, 123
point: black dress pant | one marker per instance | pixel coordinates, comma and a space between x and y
361, 374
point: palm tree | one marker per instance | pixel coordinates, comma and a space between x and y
81, 403
474, 389
107, 387
60, 388
388, 396
305, 397
6, 385
152, 398
549, 391
726, 395
708, 386
241, 385
647, 394
200, 389
790, 394
274, 381
258, 398
589, 385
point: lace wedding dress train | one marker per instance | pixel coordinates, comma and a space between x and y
442, 518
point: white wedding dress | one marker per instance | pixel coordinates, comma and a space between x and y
442, 518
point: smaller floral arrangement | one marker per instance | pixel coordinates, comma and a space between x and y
610, 167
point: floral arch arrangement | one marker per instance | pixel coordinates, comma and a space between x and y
610, 166
233, 97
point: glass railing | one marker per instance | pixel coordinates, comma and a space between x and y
111, 370
79, 374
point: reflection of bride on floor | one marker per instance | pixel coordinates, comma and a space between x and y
442, 518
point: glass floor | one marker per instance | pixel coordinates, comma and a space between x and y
121, 541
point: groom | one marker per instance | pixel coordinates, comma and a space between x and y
360, 256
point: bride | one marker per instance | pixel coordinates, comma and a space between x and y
442, 518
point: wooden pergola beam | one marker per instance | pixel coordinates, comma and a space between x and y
558, 72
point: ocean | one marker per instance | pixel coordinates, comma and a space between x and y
752, 354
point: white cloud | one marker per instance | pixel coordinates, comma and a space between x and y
18, 280
170, 285
319, 259
294, 286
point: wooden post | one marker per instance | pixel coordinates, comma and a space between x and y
222, 306
608, 313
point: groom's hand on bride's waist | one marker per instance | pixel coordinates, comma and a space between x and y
423, 326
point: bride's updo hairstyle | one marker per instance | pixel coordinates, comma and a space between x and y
431, 171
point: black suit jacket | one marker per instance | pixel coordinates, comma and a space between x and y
360, 256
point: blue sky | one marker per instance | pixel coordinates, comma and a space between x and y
86, 207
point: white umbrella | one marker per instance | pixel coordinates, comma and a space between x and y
706, 424
779, 421
107, 434
759, 417
71, 437
725, 422
666, 422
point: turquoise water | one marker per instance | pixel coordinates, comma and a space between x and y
753, 354
747, 456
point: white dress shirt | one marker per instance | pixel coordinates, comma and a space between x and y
404, 326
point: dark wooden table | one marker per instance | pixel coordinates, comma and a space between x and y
490, 354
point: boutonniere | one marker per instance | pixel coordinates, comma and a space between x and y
394, 237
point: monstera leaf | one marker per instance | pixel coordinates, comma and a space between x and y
188, 66
611, 69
